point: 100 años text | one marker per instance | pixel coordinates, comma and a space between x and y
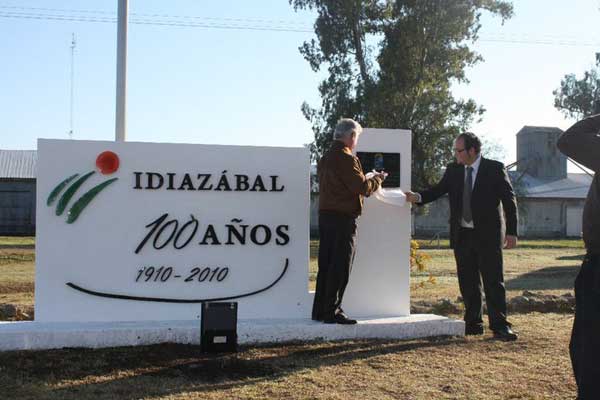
163, 232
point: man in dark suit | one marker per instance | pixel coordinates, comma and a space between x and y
476, 187
581, 142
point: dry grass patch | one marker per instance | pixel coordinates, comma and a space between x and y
523, 243
17, 241
535, 367
547, 271
17, 276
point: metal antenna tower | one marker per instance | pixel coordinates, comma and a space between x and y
73, 44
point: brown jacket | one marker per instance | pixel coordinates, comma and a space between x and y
342, 183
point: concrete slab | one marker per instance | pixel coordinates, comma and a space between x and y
31, 335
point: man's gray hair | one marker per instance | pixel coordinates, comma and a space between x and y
346, 127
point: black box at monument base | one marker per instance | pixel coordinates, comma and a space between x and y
218, 327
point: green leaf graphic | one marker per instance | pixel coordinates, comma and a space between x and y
58, 189
64, 200
84, 200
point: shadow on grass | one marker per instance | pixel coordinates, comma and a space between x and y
170, 369
550, 278
569, 258
17, 246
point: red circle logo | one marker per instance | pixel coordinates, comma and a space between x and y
107, 162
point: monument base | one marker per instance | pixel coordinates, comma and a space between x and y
32, 335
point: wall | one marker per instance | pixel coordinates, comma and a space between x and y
537, 218
17, 207
542, 218
432, 219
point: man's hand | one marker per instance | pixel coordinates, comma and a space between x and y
412, 197
382, 175
510, 242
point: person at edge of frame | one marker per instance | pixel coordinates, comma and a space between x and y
581, 142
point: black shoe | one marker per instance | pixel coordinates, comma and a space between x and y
340, 318
473, 330
505, 334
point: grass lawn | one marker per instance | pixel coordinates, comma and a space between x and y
19, 241
16, 275
537, 366
544, 266
547, 270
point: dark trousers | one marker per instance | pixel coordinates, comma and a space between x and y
475, 263
585, 338
337, 244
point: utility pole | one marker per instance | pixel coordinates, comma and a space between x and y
73, 44
120, 115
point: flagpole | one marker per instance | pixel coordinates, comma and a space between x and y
120, 115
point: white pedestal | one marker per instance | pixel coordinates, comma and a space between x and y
32, 335
379, 284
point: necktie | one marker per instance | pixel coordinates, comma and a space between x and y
466, 206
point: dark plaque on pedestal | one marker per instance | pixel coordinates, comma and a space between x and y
218, 327
379, 161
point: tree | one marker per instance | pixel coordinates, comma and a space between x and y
492, 148
391, 64
579, 98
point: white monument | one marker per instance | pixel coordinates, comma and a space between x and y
143, 231
133, 237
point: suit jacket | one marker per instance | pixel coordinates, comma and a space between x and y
492, 188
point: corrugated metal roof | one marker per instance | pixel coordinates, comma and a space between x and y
18, 164
574, 186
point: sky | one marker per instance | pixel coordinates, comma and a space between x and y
223, 81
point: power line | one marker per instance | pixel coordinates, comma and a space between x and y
551, 42
57, 9
149, 21
242, 24
163, 16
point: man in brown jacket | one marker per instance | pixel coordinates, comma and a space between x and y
581, 142
342, 186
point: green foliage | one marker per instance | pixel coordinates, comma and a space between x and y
493, 148
391, 64
579, 98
